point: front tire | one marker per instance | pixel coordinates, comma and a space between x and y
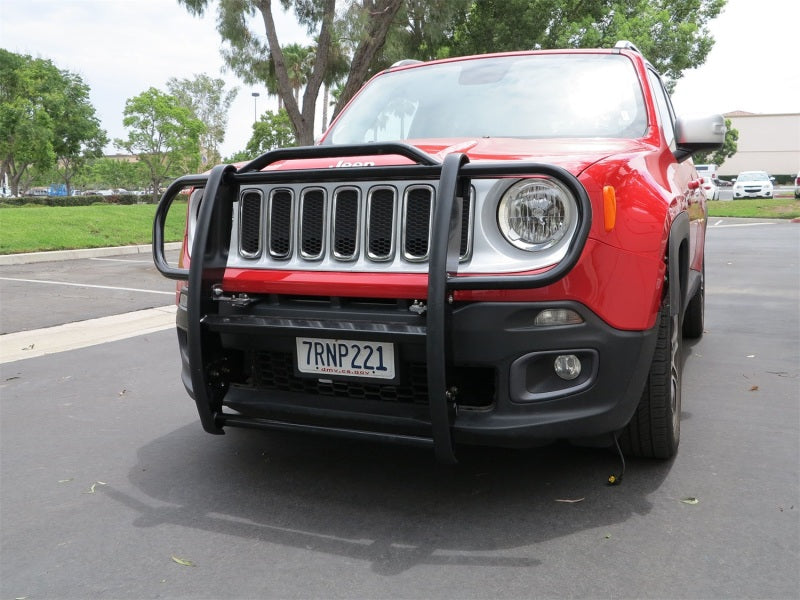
655, 428
694, 318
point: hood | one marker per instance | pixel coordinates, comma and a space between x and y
574, 155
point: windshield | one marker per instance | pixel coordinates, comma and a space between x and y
536, 96
753, 176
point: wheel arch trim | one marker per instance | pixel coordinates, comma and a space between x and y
678, 263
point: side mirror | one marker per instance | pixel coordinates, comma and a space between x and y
694, 135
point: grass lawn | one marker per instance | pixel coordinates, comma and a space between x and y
34, 228
777, 208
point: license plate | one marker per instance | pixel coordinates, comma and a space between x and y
345, 358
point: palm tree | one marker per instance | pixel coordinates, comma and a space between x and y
297, 66
338, 67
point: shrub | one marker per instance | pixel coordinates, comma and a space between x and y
125, 199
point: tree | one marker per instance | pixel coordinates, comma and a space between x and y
273, 130
424, 30
729, 148
376, 18
672, 34
78, 136
299, 60
46, 119
251, 54
114, 173
338, 67
163, 134
209, 102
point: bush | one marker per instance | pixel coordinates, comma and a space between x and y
77, 200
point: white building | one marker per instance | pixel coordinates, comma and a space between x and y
768, 143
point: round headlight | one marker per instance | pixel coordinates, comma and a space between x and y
536, 214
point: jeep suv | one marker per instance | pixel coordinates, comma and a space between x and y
498, 250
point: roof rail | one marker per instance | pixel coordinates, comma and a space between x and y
626, 45
405, 62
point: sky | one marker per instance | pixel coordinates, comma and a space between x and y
122, 47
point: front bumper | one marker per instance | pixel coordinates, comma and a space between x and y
499, 372
752, 192
214, 371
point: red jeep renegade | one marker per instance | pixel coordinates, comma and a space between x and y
503, 250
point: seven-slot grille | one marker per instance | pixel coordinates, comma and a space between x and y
314, 221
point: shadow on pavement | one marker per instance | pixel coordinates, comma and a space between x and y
391, 506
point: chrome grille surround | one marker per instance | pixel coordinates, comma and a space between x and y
251, 223
364, 227
345, 220
312, 222
417, 221
380, 220
280, 223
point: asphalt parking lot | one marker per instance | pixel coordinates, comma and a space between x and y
110, 489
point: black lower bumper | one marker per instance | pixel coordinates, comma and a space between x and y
500, 373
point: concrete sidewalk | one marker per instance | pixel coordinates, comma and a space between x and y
59, 255
81, 334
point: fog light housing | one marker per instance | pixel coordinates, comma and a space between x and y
567, 366
557, 316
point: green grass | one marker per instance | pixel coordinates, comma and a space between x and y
35, 228
779, 208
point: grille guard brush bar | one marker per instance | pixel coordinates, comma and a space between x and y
212, 240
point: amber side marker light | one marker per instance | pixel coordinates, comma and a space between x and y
609, 207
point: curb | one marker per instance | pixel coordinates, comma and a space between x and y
59, 255
82, 334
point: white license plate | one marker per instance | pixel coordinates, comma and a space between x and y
345, 358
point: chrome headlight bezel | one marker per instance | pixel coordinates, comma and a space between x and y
537, 214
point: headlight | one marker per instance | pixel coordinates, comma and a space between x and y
536, 214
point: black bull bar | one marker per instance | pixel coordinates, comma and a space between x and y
213, 233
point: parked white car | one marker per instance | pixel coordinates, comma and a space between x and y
753, 184
711, 188
710, 185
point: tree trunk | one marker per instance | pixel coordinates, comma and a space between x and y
302, 120
324, 107
381, 15
14, 175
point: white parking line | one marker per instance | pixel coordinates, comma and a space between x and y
718, 225
71, 336
87, 285
123, 260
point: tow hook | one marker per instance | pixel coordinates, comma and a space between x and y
418, 307
238, 300
451, 394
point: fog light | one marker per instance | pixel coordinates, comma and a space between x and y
567, 366
557, 316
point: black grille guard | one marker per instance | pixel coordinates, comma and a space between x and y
212, 240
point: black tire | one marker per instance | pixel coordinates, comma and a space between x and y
694, 317
655, 428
